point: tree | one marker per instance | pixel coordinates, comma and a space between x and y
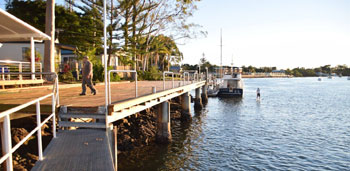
49, 56
80, 29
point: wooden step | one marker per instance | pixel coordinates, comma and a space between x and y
81, 124
82, 115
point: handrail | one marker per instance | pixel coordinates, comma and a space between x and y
109, 82
6, 130
172, 75
194, 76
188, 77
16, 62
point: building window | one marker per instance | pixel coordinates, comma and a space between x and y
27, 50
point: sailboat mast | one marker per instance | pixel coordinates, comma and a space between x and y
221, 53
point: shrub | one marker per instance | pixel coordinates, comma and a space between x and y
99, 74
153, 74
67, 76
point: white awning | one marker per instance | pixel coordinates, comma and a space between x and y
14, 29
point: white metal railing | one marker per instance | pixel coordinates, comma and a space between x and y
194, 76
109, 82
172, 75
188, 78
7, 66
6, 127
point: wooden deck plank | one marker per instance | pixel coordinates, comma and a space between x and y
83, 149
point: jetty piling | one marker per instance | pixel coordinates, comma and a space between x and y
186, 106
205, 94
198, 105
163, 123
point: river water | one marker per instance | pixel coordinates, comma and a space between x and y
299, 124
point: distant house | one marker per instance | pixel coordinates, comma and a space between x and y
176, 69
16, 51
321, 74
279, 71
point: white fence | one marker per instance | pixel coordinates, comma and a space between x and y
7, 148
7, 66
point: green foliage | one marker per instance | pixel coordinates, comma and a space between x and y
82, 29
99, 75
27, 55
153, 74
64, 77
98, 72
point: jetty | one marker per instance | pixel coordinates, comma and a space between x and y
85, 137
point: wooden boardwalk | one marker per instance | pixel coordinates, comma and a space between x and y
70, 96
82, 149
91, 149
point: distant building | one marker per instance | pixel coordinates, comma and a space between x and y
16, 51
321, 74
175, 69
279, 71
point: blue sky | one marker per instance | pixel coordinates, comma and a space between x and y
282, 33
286, 34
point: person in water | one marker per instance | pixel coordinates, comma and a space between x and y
258, 94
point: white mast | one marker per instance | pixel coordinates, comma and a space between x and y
221, 71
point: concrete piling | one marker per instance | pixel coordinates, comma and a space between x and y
186, 106
204, 94
163, 123
198, 100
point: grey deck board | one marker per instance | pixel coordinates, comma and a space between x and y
82, 149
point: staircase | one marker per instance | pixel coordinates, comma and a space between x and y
82, 117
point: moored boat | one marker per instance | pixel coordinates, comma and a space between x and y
232, 84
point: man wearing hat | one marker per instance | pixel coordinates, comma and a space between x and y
87, 76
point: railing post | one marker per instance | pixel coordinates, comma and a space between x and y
136, 95
20, 71
54, 116
41, 70
3, 73
173, 80
38, 122
7, 141
32, 57
109, 87
57, 91
163, 80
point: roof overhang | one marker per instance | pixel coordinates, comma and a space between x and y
14, 29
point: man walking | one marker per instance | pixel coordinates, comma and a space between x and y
87, 76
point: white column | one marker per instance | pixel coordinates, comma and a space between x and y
105, 56
32, 56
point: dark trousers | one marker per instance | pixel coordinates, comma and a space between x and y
88, 82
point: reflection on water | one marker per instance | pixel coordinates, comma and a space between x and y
299, 124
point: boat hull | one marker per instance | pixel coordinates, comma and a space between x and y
225, 92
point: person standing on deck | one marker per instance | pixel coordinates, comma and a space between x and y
87, 77
258, 94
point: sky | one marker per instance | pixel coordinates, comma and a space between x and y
281, 33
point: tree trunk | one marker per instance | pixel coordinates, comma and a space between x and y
49, 57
